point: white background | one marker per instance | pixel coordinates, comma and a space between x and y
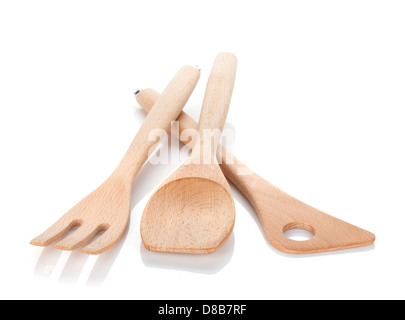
317, 110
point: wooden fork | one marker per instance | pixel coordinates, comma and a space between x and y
108, 207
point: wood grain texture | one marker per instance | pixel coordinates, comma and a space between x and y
193, 210
108, 207
277, 211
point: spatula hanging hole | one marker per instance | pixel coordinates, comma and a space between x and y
299, 231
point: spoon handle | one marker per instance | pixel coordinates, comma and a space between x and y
166, 109
232, 168
215, 106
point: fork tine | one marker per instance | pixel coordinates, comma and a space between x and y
56, 231
78, 238
105, 241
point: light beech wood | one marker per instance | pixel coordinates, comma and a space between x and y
108, 207
193, 210
277, 211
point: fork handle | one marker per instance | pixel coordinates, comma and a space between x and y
166, 109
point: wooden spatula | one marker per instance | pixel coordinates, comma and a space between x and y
108, 207
278, 211
193, 210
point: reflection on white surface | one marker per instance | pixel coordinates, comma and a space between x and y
47, 262
198, 263
73, 267
104, 263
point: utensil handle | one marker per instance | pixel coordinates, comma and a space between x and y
165, 109
215, 105
233, 169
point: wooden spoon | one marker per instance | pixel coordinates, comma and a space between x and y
193, 211
108, 207
277, 211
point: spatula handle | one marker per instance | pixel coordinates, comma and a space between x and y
216, 103
165, 109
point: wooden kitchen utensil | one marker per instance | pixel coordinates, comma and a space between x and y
108, 207
277, 211
193, 210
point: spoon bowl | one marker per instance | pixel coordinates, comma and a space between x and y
193, 211
193, 215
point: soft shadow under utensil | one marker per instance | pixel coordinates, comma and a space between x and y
73, 267
197, 263
46, 262
105, 261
